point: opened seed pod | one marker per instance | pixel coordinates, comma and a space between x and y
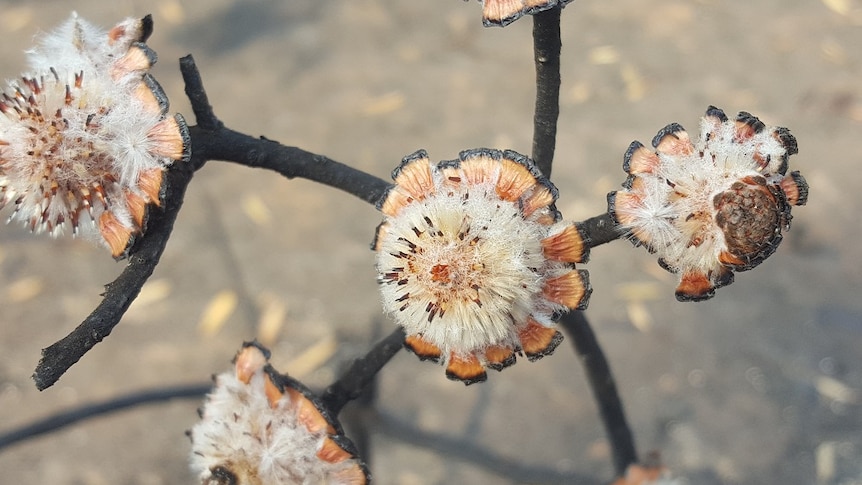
474, 262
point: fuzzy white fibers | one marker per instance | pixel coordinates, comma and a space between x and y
258, 444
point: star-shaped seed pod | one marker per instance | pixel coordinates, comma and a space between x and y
261, 427
474, 262
85, 137
504, 12
710, 207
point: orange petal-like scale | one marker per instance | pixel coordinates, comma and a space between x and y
452, 176
644, 160
168, 139
332, 453
131, 30
415, 178
498, 11
423, 349
795, 188
272, 392
396, 199
570, 290
307, 413
114, 233
145, 95
538, 340
137, 206
515, 179
480, 169
677, 143
694, 286
137, 58
725, 257
499, 357
540, 197
503, 12
150, 183
467, 369
248, 361
567, 245
747, 125
625, 206
354, 475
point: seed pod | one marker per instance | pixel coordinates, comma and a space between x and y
85, 138
262, 427
473, 260
710, 208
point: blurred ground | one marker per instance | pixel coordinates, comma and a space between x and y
762, 384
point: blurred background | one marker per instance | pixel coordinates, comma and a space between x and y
761, 384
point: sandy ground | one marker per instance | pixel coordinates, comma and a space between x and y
760, 385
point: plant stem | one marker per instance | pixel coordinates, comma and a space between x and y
119, 295
604, 389
363, 371
546, 48
87, 411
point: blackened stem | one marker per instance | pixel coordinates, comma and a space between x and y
212, 141
87, 411
604, 389
600, 229
363, 371
291, 162
546, 48
119, 295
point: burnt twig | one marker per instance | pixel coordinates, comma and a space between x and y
351, 385
604, 389
600, 229
546, 48
119, 295
87, 411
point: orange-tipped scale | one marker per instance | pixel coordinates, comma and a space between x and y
150, 183
538, 340
515, 179
116, 235
673, 140
137, 206
566, 245
249, 360
569, 289
694, 286
480, 168
138, 58
499, 357
467, 369
168, 138
423, 349
414, 175
540, 197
